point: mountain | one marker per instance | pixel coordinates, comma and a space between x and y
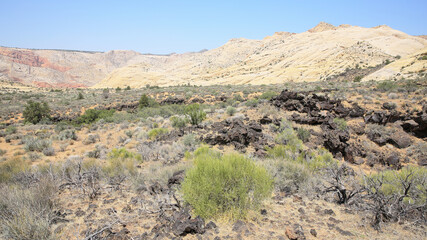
59, 68
324, 52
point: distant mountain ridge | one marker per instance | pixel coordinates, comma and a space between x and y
320, 53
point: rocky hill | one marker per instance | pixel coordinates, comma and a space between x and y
324, 52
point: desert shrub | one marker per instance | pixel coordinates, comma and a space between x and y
156, 132
11, 167
158, 151
315, 160
146, 101
397, 195
80, 96
342, 181
195, 113
290, 138
26, 213
238, 97
229, 185
49, 151
105, 93
127, 88
288, 176
36, 144
268, 95
67, 134
178, 122
2, 152
34, 112
231, 110
341, 124
418, 151
190, 141
11, 130
91, 138
357, 79
303, 134
98, 152
121, 163
158, 173
93, 115
386, 86
252, 103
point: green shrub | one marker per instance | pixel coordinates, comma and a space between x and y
11, 167
225, 186
252, 103
290, 138
178, 122
231, 110
288, 176
121, 162
195, 113
303, 134
357, 79
35, 144
268, 95
341, 124
238, 98
156, 132
127, 88
386, 86
315, 160
146, 101
93, 115
67, 134
34, 112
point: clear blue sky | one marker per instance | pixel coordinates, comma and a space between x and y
180, 26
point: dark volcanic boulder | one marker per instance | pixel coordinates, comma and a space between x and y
235, 132
183, 224
173, 100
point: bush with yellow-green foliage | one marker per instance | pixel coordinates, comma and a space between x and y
157, 132
11, 167
225, 186
121, 163
397, 195
195, 113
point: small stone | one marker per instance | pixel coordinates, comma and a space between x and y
313, 232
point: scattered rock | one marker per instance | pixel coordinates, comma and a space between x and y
313, 232
184, 224
176, 178
239, 226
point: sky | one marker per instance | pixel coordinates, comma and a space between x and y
166, 26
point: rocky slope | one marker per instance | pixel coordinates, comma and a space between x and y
59, 68
322, 53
